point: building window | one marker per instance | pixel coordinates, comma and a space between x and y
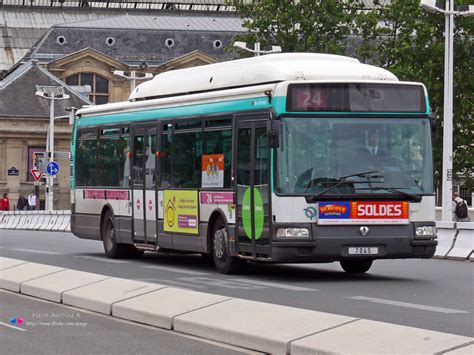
99, 86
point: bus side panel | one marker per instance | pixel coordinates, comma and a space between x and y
86, 217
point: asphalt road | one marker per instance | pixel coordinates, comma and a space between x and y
50, 328
432, 294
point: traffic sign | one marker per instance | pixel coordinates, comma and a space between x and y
52, 168
36, 174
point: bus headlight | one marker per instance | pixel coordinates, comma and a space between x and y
292, 233
425, 231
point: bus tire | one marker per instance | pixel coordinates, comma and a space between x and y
112, 249
224, 263
356, 266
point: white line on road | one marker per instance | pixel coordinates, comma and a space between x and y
185, 285
407, 305
105, 260
36, 251
276, 285
12, 326
172, 269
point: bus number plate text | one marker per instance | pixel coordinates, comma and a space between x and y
363, 250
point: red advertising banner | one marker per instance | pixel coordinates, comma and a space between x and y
366, 212
378, 210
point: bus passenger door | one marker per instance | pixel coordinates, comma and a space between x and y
137, 175
150, 185
252, 173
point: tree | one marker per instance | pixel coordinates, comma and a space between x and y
409, 42
297, 26
396, 35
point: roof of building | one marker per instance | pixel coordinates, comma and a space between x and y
164, 22
86, 5
18, 98
259, 70
136, 39
22, 26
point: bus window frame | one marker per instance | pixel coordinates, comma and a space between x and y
80, 132
331, 197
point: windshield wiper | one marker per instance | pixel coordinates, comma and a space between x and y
342, 180
412, 197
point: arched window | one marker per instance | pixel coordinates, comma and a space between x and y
99, 86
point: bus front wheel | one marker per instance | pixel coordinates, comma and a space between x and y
225, 263
356, 266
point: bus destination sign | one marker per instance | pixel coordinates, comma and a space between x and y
356, 97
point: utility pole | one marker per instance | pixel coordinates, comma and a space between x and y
51, 93
449, 13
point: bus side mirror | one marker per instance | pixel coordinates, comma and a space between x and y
273, 128
434, 128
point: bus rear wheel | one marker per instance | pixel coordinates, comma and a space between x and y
112, 249
356, 266
224, 263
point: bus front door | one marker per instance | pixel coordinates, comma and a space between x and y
143, 185
252, 175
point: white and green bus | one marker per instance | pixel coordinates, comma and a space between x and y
279, 158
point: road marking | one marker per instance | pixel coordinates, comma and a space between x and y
172, 269
407, 305
185, 285
12, 326
36, 251
105, 260
276, 285
225, 283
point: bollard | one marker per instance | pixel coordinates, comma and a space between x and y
464, 242
446, 234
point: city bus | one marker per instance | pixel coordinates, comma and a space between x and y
282, 158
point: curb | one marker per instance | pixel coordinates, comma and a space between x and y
248, 324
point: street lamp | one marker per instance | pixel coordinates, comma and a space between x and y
51, 93
449, 12
133, 76
256, 48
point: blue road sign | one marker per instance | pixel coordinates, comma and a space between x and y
52, 168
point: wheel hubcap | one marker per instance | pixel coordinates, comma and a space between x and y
109, 236
219, 243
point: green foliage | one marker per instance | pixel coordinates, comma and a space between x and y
398, 36
297, 26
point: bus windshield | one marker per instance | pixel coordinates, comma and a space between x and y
354, 157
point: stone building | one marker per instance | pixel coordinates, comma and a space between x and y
88, 52
24, 121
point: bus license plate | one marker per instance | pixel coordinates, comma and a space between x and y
363, 250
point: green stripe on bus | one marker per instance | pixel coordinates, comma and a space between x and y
256, 103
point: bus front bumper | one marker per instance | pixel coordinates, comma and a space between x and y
332, 243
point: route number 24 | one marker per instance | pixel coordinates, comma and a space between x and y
313, 99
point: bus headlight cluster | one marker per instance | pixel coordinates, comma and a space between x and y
425, 231
292, 233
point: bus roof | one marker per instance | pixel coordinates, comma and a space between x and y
265, 69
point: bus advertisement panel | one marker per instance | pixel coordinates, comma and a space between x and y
181, 211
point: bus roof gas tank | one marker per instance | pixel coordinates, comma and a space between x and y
271, 68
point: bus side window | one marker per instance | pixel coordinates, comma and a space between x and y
109, 155
220, 142
86, 159
166, 156
187, 152
124, 158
